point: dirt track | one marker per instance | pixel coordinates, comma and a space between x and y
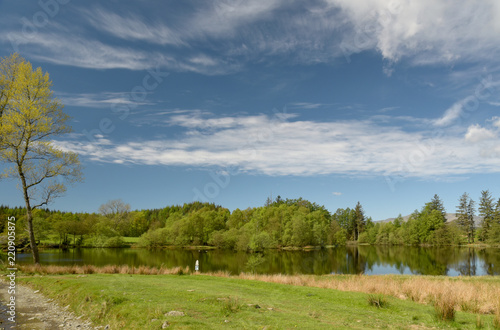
34, 311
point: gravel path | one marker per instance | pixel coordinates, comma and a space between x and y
34, 311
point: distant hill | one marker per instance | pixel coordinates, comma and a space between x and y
449, 217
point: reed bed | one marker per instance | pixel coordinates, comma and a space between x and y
465, 294
108, 269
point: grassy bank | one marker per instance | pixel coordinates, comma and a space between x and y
136, 301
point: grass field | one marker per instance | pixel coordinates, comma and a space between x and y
133, 301
131, 240
53, 239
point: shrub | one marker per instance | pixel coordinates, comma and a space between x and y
153, 238
114, 242
378, 301
363, 238
230, 305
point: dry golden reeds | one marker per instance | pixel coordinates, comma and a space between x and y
496, 319
444, 306
467, 294
108, 269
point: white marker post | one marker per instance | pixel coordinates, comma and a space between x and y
196, 266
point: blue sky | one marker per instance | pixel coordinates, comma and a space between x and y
335, 101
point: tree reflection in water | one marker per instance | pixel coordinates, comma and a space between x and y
353, 259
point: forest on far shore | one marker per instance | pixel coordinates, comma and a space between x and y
280, 223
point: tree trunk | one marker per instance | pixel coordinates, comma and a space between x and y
29, 218
34, 247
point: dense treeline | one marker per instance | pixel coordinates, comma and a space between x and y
280, 223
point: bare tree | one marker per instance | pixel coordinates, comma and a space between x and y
117, 212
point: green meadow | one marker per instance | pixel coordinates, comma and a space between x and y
132, 301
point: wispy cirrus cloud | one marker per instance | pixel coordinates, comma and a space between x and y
451, 114
306, 105
263, 145
132, 27
98, 100
66, 50
210, 35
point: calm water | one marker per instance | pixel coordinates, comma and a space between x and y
345, 260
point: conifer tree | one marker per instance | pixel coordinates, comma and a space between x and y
437, 204
487, 212
359, 220
465, 216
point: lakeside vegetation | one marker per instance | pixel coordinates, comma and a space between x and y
280, 223
123, 296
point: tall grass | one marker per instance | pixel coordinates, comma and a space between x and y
466, 294
444, 306
108, 269
496, 319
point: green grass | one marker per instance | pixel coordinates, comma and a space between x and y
130, 239
141, 302
51, 239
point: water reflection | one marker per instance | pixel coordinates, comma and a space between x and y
451, 261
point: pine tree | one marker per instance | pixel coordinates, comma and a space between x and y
496, 215
359, 220
471, 211
487, 212
437, 204
465, 216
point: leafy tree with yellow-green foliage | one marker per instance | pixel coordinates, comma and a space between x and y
30, 117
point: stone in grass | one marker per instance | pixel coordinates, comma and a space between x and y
253, 305
165, 325
175, 313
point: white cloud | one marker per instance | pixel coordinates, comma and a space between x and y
388, 109
496, 121
306, 105
132, 27
476, 133
424, 31
64, 49
272, 146
222, 18
336, 193
237, 32
451, 114
98, 100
